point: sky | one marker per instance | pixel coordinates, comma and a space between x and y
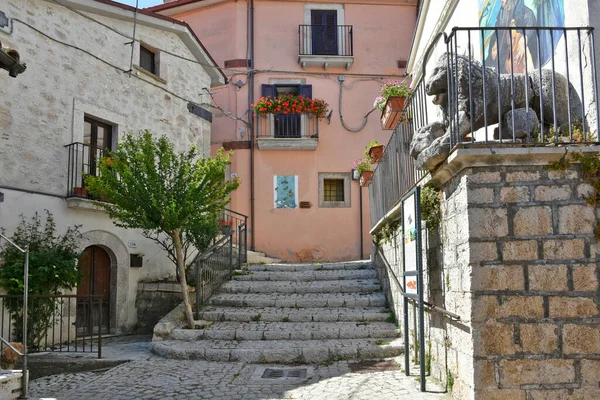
142, 3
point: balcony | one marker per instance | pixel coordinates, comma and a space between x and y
83, 160
287, 132
326, 46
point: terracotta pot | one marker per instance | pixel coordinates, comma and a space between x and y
392, 113
109, 161
79, 191
375, 153
365, 178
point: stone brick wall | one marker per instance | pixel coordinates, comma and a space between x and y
516, 258
154, 300
534, 281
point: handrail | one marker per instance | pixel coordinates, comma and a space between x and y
11, 346
210, 250
427, 304
235, 212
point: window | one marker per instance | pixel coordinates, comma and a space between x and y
148, 60
334, 190
324, 32
97, 139
290, 125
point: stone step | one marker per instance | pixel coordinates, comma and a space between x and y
273, 314
299, 300
333, 286
317, 275
279, 351
346, 265
288, 331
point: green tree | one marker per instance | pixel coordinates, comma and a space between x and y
52, 269
173, 197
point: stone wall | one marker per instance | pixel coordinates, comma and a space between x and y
155, 300
516, 258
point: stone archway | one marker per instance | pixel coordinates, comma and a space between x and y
119, 273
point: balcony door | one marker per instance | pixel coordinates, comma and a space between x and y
97, 138
290, 125
324, 32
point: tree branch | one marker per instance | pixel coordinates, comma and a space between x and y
223, 111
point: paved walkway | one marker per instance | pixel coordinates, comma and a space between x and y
151, 377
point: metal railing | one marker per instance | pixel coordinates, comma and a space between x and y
396, 173
533, 85
83, 160
287, 126
237, 223
326, 40
213, 268
56, 323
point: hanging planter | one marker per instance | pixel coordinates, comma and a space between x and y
375, 153
392, 112
365, 178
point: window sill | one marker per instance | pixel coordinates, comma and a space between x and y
150, 74
305, 144
307, 60
81, 203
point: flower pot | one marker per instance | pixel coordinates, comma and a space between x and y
365, 178
392, 112
375, 153
109, 161
80, 192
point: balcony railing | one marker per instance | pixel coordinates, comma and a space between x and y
83, 160
326, 40
287, 126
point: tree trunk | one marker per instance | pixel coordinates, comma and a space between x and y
189, 316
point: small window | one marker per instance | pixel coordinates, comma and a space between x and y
333, 189
148, 60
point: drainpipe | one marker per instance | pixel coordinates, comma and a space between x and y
362, 250
251, 114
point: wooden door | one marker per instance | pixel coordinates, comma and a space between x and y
93, 313
324, 32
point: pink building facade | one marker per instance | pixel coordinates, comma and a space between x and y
296, 171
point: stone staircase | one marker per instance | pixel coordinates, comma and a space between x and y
291, 313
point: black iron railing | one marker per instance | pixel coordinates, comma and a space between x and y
326, 40
287, 126
528, 85
63, 323
213, 268
396, 173
237, 223
83, 160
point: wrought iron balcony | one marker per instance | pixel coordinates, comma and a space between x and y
287, 131
83, 160
326, 45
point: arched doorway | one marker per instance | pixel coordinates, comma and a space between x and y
95, 266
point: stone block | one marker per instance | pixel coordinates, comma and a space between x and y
572, 307
523, 176
564, 249
584, 190
493, 338
548, 277
539, 338
536, 372
585, 277
521, 306
502, 394
584, 394
488, 222
514, 194
485, 376
560, 394
568, 174
551, 193
482, 252
581, 339
481, 196
533, 221
484, 308
498, 277
520, 250
590, 372
485, 177
576, 219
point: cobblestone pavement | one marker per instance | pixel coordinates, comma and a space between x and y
177, 379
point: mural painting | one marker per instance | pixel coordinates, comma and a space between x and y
286, 191
529, 48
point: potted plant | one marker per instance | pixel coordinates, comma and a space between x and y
374, 151
363, 168
290, 104
80, 192
391, 100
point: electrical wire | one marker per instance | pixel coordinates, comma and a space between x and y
365, 120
